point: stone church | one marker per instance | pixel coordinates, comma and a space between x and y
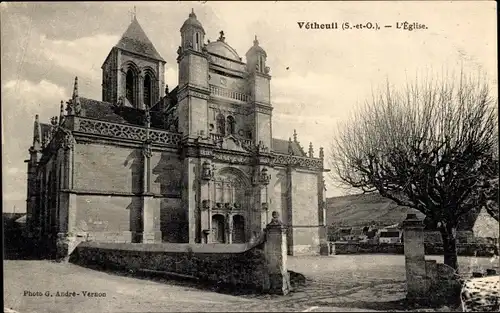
195, 164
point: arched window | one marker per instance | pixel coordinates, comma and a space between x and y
147, 90
130, 83
231, 125
197, 42
221, 125
261, 63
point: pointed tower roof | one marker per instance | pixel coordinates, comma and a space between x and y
136, 41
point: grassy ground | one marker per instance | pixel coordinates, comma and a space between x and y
334, 283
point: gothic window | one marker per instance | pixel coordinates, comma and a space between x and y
130, 83
221, 125
147, 90
231, 125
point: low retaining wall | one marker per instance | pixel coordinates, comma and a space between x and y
260, 266
240, 265
470, 249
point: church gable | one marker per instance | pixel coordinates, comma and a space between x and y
231, 143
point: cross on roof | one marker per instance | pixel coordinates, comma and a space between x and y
133, 13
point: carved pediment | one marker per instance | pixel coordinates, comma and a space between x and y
231, 143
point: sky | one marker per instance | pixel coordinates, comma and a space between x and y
318, 76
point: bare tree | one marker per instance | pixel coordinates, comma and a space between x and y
491, 195
429, 146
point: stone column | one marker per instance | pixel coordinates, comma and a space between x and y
207, 175
264, 206
150, 210
276, 256
289, 207
119, 90
416, 282
190, 181
323, 230
140, 91
67, 237
229, 219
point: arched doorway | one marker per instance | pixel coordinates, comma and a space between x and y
238, 229
218, 228
231, 195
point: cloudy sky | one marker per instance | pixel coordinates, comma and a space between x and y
318, 76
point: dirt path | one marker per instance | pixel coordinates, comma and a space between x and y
373, 282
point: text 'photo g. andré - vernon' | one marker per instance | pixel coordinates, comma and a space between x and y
250, 156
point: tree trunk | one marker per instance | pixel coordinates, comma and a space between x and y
448, 234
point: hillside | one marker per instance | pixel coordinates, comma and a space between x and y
365, 209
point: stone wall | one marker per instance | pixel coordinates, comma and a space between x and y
166, 171
238, 265
121, 171
260, 265
306, 240
109, 205
471, 249
305, 222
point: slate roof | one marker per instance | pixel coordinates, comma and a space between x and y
106, 111
100, 110
281, 146
135, 40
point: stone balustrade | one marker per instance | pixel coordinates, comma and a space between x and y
124, 131
227, 63
228, 93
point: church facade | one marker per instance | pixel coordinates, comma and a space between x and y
196, 164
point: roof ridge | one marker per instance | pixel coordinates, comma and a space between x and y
101, 101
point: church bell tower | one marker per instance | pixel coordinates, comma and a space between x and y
193, 91
259, 82
133, 72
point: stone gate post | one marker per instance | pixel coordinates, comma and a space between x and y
416, 282
276, 255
